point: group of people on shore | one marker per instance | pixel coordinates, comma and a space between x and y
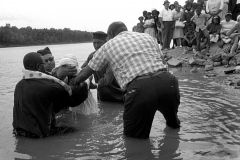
194, 26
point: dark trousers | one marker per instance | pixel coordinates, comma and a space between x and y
167, 33
236, 12
199, 36
185, 43
144, 97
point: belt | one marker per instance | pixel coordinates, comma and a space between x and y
151, 74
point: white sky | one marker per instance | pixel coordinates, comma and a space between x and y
84, 15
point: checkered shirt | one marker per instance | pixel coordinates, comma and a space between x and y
129, 54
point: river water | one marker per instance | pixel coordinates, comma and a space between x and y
209, 114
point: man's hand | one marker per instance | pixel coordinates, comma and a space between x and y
65, 71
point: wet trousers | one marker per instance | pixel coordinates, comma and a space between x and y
146, 96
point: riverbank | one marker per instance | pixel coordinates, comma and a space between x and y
230, 76
25, 45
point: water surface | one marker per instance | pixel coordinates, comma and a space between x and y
209, 114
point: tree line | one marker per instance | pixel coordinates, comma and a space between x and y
12, 36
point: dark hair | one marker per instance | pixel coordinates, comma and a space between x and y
188, 4
171, 6
140, 17
218, 19
31, 59
199, 5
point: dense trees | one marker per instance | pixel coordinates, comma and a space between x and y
10, 36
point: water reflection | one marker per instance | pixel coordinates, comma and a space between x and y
165, 147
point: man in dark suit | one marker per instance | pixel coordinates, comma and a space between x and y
234, 8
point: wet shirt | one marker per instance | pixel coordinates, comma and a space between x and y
36, 101
129, 54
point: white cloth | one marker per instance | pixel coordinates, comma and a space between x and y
89, 106
166, 15
238, 1
27, 74
69, 59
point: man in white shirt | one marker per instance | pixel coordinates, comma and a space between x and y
227, 24
167, 25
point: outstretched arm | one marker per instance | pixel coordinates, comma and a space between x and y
83, 75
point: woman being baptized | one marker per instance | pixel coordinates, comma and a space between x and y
89, 106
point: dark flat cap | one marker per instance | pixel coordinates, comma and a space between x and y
44, 51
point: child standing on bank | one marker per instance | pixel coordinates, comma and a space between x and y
200, 20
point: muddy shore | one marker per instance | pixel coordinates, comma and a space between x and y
176, 59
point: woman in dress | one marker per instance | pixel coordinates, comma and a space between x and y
149, 25
178, 31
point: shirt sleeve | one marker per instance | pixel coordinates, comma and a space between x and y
222, 4
99, 59
161, 14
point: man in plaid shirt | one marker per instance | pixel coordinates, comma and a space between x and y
137, 63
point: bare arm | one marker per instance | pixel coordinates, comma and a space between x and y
83, 75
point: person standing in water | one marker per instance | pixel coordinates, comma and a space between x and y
139, 67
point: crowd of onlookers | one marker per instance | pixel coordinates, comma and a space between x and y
194, 26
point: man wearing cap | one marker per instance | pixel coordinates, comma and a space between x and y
39, 96
226, 24
107, 86
167, 25
48, 58
138, 65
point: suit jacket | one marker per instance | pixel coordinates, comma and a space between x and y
231, 5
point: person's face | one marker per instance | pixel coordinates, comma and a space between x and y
228, 18
49, 62
149, 15
172, 7
166, 5
97, 43
189, 7
155, 14
141, 19
144, 14
41, 66
198, 10
215, 21
178, 8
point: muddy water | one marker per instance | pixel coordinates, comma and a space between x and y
209, 114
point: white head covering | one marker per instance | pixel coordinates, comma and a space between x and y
69, 59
